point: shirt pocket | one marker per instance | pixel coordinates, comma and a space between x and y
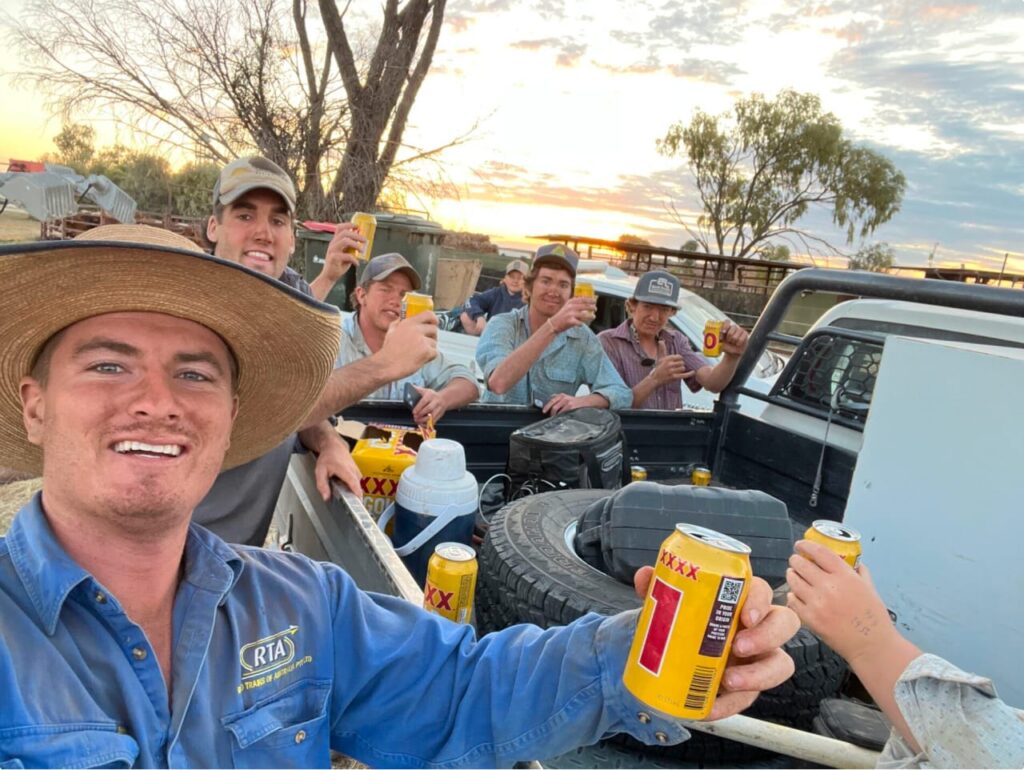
75, 745
561, 369
288, 729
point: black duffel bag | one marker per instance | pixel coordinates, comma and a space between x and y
580, 449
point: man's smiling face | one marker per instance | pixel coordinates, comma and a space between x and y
256, 231
134, 414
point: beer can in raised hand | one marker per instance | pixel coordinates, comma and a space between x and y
688, 621
451, 582
583, 290
838, 538
414, 303
367, 224
713, 338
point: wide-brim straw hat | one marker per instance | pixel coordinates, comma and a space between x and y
284, 342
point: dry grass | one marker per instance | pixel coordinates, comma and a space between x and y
16, 225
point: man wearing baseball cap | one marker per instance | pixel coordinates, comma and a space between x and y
507, 295
653, 358
134, 637
442, 384
543, 352
253, 224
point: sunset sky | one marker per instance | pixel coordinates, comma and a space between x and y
572, 96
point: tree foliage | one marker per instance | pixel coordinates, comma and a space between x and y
76, 144
221, 79
759, 170
630, 238
877, 258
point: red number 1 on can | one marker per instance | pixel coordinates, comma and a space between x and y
666, 600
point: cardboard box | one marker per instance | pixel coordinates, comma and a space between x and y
382, 452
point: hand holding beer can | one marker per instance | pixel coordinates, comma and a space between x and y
367, 224
583, 290
414, 303
688, 621
713, 338
838, 538
451, 582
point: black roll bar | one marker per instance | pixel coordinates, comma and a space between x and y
987, 299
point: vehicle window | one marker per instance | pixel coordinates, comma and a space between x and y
830, 363
611, 311
923, 332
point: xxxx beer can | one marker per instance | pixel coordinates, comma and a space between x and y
688, 621
583, 290
415, 303
713, 338
838, 538
637, 473
451, 582
700, 476
367, 224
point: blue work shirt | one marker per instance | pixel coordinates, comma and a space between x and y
574, 357
494, 301
278, 659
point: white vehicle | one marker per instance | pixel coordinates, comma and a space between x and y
846, 370
613, 287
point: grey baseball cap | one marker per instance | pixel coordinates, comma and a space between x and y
556, 255
657, 288
255, 173
383, 265
517, 264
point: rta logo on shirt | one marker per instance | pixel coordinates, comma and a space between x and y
268, 659
268, 653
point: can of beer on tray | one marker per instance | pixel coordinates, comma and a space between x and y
688, 621
583, 290
838, 538
414, 303
700, 476
367, 224
713, 338
637, 473
451, 582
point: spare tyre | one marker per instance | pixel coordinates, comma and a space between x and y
529, 573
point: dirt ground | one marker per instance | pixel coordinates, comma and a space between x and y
16, 225
12, 497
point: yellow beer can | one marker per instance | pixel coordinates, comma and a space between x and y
713, 338
451, 582
700, 476
367, 224
637, 473
414, 303
688, 621
583, 290
838, 538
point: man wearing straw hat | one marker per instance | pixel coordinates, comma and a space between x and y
130, 636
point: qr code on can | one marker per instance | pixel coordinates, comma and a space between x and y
730, 591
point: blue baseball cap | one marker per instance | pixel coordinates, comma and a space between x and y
657, 287
556, 255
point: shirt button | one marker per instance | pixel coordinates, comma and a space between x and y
644, 717
100, 597
300, 736
139, 653
661, 737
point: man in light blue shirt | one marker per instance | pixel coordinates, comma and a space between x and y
542, 353
442, 384
131, 637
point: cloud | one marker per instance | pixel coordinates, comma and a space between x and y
708, 71
569, 53
479, 6
459, 22
701, 21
